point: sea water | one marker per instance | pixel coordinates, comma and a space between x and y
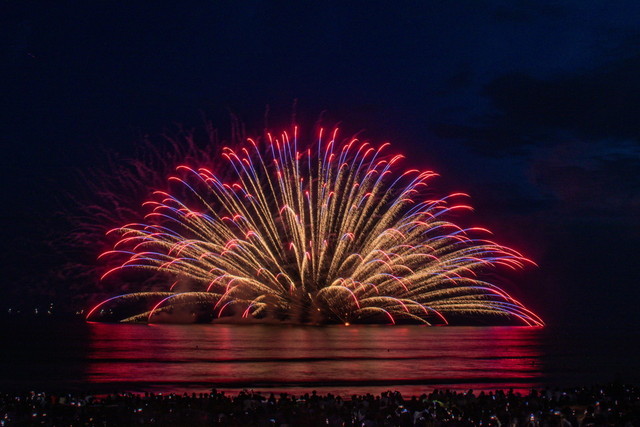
100, 357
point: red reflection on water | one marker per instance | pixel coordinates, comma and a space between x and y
354, 359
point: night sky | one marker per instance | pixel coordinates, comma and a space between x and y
533, 108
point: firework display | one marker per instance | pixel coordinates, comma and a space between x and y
326, 232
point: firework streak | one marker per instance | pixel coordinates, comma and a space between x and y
329, 233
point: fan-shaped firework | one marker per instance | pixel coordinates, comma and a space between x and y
328, 232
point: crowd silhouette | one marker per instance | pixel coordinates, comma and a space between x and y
614, 404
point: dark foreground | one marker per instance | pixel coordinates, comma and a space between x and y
615, 405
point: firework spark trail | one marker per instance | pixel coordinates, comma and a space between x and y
333, 230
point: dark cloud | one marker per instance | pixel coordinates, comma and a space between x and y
579, 135
601, 104
595, 105
592, 180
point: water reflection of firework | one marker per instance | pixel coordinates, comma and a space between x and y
314, 234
